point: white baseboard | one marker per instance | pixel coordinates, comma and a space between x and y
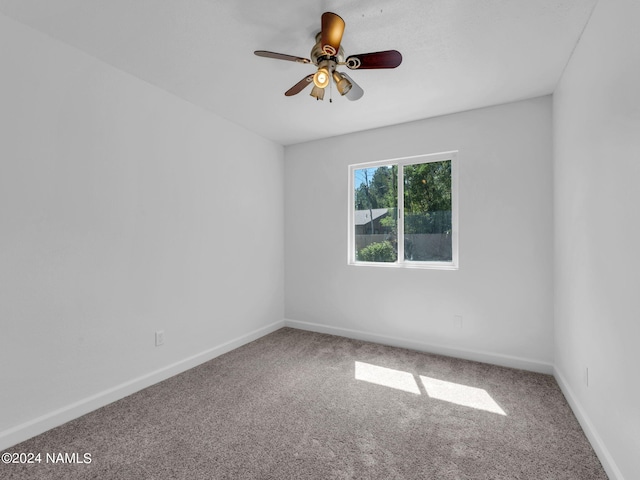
24, 431
598, 445
474, 355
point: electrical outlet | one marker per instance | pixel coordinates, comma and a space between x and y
457, 321
159, 338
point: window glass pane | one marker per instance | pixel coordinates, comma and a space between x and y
376, 207
427, 212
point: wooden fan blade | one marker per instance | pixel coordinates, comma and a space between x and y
298, 87
332, 30
385, 59
356, 91
281, 56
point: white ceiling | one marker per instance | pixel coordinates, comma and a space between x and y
457, 54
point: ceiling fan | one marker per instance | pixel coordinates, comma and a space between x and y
327, 54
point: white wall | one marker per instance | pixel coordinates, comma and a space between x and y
123, 210
503, 289
597, 233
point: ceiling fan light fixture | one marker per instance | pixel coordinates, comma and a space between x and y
321, 78
327, 54
317, 93
342, 83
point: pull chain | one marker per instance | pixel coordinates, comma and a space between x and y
330, 91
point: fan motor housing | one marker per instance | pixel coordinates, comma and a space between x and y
318, 55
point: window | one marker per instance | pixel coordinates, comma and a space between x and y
403, 212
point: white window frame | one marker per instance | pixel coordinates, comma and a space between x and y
401, 163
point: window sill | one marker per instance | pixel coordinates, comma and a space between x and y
410, 265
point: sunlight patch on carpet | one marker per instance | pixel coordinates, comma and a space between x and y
387, 377
464, 395
451, 392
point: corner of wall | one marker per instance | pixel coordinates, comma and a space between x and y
590, 431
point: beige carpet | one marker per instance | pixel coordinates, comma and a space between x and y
300, 405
